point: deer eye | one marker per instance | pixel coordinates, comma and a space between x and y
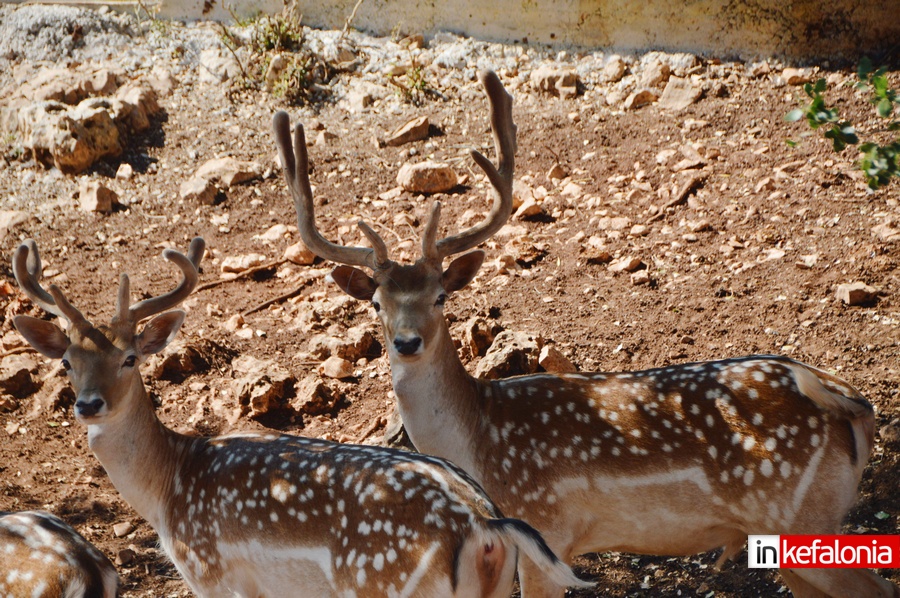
130, 361
66, 365
442, 298
376, 305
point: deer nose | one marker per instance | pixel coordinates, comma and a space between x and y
88, 407
408, 346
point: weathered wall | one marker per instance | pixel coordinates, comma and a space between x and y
726, 28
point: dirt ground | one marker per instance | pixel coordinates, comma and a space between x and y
748, 264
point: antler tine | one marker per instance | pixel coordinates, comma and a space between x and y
28, 270
188, 265
196, 250
123, 300
429, 245
504, 131
68, 311
296, 168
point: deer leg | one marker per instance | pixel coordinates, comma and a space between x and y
838, 583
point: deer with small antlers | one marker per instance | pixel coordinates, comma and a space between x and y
672, 461
44, 557
265, 514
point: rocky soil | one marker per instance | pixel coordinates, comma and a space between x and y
662, 216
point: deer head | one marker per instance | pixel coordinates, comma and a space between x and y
102, 362
409, 299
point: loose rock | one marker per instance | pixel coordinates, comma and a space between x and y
656, 73
17, 376
95, 197
300, 254
414, 130
552, 360
199, 190
639, 99
427, 177
640, 277
856, 293
181, 359
125, 557
615, 69
335, 367
264, 386
793, 76
556, 80
479, 334
239, 263
229, 171
125, 172
357, 343
512, 353
314, 397
679, 94
626, 264
123, 529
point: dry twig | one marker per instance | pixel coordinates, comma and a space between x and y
275, 300
243, 274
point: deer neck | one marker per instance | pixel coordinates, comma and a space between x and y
140, 455
438, 401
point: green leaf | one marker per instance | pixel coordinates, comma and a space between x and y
884, 108
864, 68
820, 86
791, 143
881, 515
849, 133
794, 115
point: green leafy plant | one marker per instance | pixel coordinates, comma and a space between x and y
157, 26
276, 33
412, 86
878, 162
817, 114
876, 81
275, 57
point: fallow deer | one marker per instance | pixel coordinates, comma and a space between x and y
44, 557
266, 514
671, 461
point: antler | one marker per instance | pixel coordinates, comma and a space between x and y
28, 271
296, 168
504, 131
189, 265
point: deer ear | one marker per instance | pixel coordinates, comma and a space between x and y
159, 332
462, 270
354, 282
44, 336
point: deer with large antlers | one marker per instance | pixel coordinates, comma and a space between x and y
671, 461
44, 557
264, 514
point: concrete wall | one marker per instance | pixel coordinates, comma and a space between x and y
811, 29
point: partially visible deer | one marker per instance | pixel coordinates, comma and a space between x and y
43, 557
265, 514
671, 461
